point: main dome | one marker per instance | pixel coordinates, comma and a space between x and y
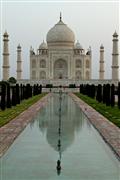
60, 34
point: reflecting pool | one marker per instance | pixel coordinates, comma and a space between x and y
60, 143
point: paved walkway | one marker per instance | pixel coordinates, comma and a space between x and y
10, 131
109, 132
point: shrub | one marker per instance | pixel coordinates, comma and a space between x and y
49, 85
4, 82
72, 86
12, 80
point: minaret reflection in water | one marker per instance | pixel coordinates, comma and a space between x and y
58, 167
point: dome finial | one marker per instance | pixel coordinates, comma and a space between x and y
60, 16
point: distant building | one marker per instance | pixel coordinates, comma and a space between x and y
60, 57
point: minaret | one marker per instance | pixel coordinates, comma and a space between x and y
5, 57
115, 55
19, 63
101, 70
60, 16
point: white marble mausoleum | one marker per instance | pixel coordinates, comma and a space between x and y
60, 57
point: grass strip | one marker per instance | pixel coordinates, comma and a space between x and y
10, 113
111, 113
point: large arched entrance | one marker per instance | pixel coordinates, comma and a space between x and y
60, 69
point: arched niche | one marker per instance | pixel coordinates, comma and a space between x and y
60, 69
78, 75
42, 75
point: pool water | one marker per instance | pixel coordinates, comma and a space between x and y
61, 132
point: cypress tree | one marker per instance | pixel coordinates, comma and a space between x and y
40, 88
99, 93
14, 101
28, 90
8, 96
21, 92
34, 90
119, 95
81, 88
104, 93
37, 89
3, 97
93, 91
88, 90
17, 94
112, 95
24, 92
107, 94
85, 89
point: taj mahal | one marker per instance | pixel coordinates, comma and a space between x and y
61, 59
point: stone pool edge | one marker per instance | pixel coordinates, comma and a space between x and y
109, 132
10, 131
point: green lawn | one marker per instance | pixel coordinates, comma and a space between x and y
111, 113
10, 113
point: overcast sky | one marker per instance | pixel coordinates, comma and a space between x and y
27, 23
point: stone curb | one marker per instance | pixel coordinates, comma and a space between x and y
10, 131
109, 132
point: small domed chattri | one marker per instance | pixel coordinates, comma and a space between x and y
115, 34
78, 45
18, 47
5, 34
43, 45
101, 47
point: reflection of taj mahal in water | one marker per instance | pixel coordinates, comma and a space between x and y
61, 57
70, 124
